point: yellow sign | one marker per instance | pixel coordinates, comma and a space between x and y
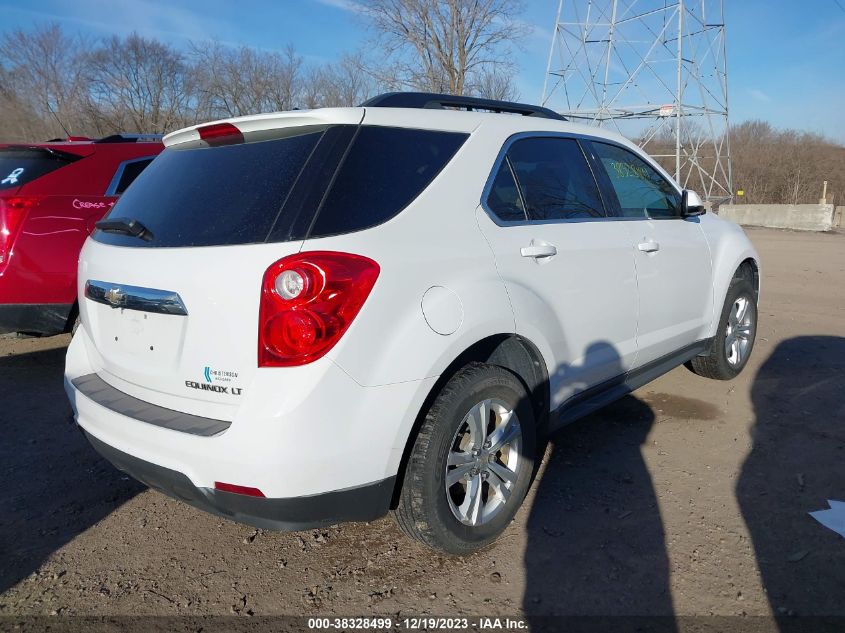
740, 192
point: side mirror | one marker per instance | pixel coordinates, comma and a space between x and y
691, 204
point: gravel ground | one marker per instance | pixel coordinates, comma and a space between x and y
689, 497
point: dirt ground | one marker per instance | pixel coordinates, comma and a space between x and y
689, 497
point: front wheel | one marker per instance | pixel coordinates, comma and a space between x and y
735, 337
471, 463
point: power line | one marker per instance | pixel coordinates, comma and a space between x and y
839, 4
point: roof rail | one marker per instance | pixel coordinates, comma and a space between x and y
131, 138
431, 100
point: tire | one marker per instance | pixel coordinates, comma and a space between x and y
719, 363
429, 511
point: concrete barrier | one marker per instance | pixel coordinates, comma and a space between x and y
801, 217
839, 218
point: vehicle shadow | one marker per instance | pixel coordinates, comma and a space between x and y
54, 486
796, 464
596, 545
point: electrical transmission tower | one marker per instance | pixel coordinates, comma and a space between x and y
653, 70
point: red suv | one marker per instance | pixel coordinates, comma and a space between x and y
51, 194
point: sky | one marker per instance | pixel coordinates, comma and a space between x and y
786, 58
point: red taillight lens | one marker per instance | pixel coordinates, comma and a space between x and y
220, 134
238, 490
12, 214
308, 301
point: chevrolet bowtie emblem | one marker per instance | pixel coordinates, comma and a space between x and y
115, 297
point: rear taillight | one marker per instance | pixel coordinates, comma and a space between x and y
308, 301
13, 212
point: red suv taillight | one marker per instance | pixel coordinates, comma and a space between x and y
13, 211
308, 301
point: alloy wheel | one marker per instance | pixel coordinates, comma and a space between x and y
484, 462
739, 331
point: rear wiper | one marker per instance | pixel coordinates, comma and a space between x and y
125, 226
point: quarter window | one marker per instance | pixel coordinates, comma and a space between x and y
555, 179
504, 199
383, 172
641, 190
131, 170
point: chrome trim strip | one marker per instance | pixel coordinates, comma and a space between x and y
135, 298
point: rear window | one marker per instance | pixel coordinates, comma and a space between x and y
315, 184
212, 196
20, 166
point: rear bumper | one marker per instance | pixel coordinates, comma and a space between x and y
320, 447
44, 319
363, 503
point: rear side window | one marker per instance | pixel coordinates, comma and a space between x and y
129, 171
212, 196
641, 190
20, 166
384, 170
555, 179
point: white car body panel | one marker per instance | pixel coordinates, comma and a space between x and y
729, 247
675, 305
590, 335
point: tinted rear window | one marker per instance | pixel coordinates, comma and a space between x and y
20, 166
385, 169
212, 196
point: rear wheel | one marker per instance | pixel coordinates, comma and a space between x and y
472, 462
735, 337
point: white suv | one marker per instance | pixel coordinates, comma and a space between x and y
302, 318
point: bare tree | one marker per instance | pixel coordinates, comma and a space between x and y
238, 81
342, 84
138, 84
44, 74
770, 166
495, 83
785, 166
444, 45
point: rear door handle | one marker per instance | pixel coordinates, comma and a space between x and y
649, 246
538, 251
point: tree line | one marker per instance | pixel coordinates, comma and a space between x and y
769, 165
55, 83
775, 166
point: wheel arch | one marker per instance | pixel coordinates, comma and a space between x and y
512, 352
732, 255
749, 269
